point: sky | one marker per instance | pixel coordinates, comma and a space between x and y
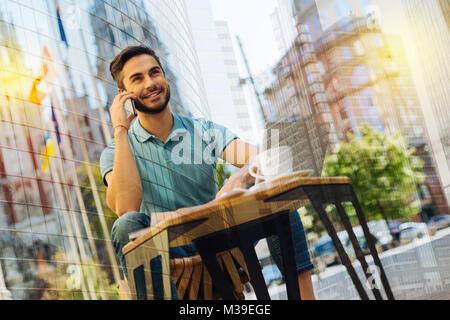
250, 19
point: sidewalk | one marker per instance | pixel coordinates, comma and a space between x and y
444, 295
416, 271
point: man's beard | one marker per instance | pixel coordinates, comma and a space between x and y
144, 109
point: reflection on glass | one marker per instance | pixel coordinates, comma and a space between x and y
55, 91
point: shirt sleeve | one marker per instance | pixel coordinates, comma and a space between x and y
107, 160
221, 136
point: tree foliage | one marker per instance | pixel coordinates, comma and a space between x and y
89, 201
223, 172
384, 170
64, 282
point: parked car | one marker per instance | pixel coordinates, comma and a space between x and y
325, 254
271, 273
380, 230
410, 231
438, 222
394, 228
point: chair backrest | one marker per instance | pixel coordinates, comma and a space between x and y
193, 281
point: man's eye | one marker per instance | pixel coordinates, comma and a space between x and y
136, 79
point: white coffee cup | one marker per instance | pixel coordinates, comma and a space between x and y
271, 164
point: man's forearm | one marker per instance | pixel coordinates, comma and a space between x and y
125, 189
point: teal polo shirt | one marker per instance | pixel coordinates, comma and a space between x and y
179, 172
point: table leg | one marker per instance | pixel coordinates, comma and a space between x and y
371, 245
254, 269
317, 200
283, 227
243, 237
359, 254
217, 275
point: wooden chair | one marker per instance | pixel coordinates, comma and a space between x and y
194, 282
192, 279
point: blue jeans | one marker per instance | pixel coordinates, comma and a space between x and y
134, 221
302, 257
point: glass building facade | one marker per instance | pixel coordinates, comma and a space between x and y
429, 22
55, 91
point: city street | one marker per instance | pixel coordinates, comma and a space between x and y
427, 261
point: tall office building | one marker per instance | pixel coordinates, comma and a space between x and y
55, 91
284, 25
429, 26
212, 65
219, 68
241, 108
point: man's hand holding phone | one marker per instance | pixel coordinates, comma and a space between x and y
119, 117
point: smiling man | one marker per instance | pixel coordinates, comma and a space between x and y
140, 164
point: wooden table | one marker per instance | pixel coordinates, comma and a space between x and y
222, 219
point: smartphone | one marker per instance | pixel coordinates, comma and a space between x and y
130, 107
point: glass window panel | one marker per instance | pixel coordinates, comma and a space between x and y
124, 7
53, 221
28, 17
5, 213
15, 15
3, 10
55, 246
64, 227
22, 218
25, 247
100, 9
16, 189
37, 219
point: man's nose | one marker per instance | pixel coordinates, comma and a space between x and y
149, 83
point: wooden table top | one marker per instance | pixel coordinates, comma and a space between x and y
187, 224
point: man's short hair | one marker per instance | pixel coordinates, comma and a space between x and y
126, 54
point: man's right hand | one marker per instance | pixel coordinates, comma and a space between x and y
118, 114
124, 193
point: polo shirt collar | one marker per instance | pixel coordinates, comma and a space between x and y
142, 135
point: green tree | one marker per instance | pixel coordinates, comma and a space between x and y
89, 200
94, 219
66, 280
223, 172
384, 171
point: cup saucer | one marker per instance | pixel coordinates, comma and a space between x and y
260, 185
232, 193
295, 174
